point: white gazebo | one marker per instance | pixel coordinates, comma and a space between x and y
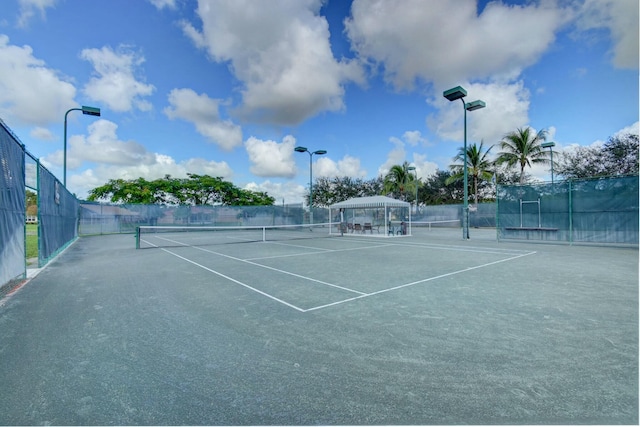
362, 214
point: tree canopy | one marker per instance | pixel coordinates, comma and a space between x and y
618, 156
194, 190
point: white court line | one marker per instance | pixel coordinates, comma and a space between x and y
361, 294
235, 281
478, 249
279, 271
315, 253
417, 282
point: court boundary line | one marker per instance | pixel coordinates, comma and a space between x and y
361, 295
417, 282
235, 281
311, 279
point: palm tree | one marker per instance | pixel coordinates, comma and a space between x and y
523, 147
479, 166
398, 180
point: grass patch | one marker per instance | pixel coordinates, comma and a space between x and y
32, 241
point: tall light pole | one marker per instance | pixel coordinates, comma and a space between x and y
550, 146
91, 111
413, 168
458, 92
311, 153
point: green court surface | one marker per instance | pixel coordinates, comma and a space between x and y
360, 329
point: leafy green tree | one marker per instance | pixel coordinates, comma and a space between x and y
327, 191
398, 181
126, 191
194, 190
435, 191
523, 148
618, 156
479, 167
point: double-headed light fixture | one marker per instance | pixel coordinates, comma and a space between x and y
458, 92
311, 153
90, 111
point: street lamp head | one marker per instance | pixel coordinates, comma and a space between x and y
474, 105
301, 149
548, 144
90, 111
320, 152
455, 93
411, 168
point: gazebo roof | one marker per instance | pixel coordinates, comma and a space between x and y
370, 202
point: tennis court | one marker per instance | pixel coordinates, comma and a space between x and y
359, 329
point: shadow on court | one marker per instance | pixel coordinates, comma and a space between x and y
427, 329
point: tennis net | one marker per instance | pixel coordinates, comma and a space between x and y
159, 236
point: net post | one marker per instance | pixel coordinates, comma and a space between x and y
138, 237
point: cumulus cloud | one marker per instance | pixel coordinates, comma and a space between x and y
31, 93
620, 19
347, 166
41, 133
414, 40
114, 158
161, 4
114, 82
284, 192
507, 109
29, 8
280, 53
270, 158
398, 155
204, 113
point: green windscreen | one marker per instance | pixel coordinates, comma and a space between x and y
602, 210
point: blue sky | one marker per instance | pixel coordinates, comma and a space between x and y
229, 88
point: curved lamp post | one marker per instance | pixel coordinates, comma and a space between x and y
458, 92
300, 149
91, 111
550, 146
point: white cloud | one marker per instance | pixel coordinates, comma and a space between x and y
29, 8
102, 146
620, 18
30, 92
414, 138
161, 4
507, 106
417, 40
41, 133
287, 192
204, 113
114, 82
281, 54
114, 158
398, 155
347, 166
272, 159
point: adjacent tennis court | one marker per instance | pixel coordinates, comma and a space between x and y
357, 329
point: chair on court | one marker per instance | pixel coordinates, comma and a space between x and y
367, 226
357, 227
